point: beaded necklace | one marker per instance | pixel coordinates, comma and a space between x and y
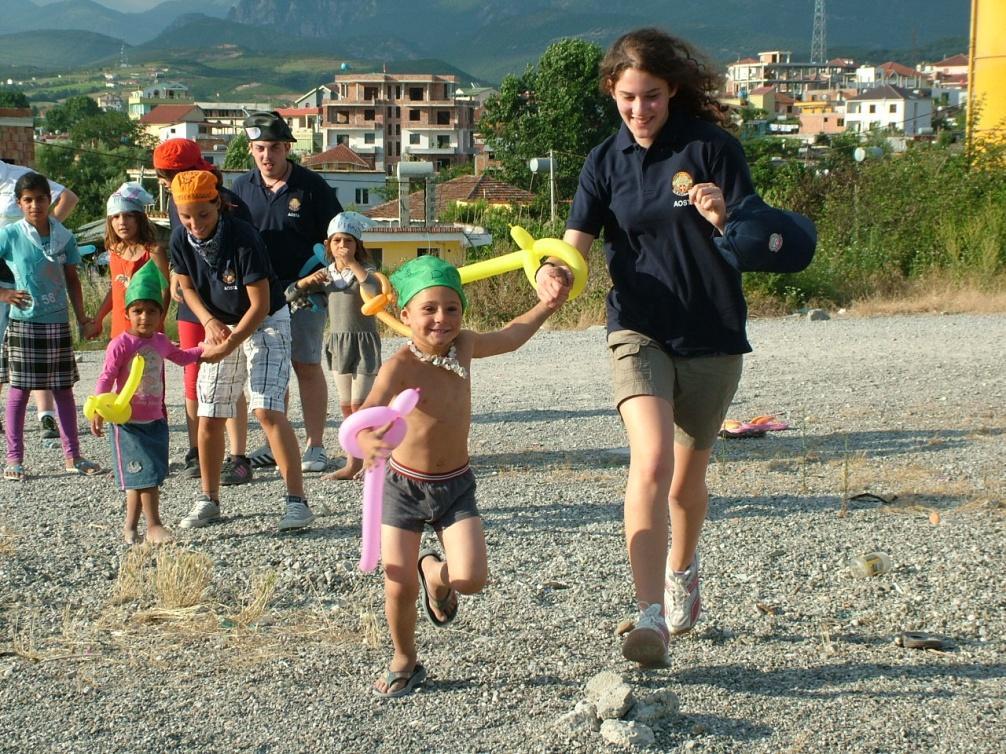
449, 361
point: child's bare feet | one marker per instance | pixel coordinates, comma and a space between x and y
131, 536
403, 676
158, 535
351, 470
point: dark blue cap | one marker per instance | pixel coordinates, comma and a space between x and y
760, 238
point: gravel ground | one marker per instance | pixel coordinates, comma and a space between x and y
792, 654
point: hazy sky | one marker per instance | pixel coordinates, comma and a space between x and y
122, 5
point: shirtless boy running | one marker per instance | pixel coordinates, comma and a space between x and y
428, 477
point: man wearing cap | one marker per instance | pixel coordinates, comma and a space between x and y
291, 207
63, 203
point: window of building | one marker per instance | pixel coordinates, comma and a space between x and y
369, 137
414, 139
391, 111
398, 129
413, 115
443, 117
415, 93
432, 251
892, 108
342, 139
368, 114
369, 92
443, 165
873, 108
841, 122
363, 196
443, 141
376, 255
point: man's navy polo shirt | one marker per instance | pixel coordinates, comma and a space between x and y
241, 261
669, 281
235, 207
292, 220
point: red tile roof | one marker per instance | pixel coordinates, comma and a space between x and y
293, 112
901, 70
339, 154
464, 188
886, 91
953, 60
762, 90
163, 114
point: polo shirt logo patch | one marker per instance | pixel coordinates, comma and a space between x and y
682, 183
295, 204
229, 277
774, 242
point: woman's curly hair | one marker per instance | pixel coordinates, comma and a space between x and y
675, 61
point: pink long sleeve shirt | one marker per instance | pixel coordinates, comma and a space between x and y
148, 401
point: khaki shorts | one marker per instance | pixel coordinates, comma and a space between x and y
699, 388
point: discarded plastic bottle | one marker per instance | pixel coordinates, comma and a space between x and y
871, 564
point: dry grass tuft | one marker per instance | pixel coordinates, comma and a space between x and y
7, 537
263, 587
934, 296
181, 578
131, 583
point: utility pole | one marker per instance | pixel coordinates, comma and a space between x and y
818, 44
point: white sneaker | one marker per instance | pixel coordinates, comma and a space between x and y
314, 459
297, 515
262, 457
646, 643
203, 513
681, 597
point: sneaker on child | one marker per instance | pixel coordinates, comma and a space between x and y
297, 514
681, 597
647, 642
49, 429
205, 511
236, 470
314, 459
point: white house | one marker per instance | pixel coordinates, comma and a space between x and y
888, 108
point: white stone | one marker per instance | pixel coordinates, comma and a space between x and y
582, 719
601, 683
622, 733
817, 315
655, 707
615, 702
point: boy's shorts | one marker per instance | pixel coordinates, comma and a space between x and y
139, 453
263, 361
413, 499
699, 388
308, 329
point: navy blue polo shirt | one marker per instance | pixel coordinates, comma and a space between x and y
241, 261
668, 280
235, 207
292, 220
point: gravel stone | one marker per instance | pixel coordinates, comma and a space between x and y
909, 408
627, 734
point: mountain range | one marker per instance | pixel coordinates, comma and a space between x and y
489, 39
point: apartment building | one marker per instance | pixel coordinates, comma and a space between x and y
391, 117
776, 69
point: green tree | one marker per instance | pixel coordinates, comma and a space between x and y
61, 118
555, 105
13, 98
238, 157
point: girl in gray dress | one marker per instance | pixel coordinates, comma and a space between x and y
354, 346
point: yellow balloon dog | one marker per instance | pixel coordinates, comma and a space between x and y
114, 407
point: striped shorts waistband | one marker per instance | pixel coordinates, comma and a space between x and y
422, 476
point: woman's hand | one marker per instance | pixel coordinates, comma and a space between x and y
216, 331
175, 288
708, 200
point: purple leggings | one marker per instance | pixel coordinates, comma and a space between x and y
66, 412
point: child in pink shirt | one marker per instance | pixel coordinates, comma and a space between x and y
140, 446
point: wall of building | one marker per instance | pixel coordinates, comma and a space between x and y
17, 136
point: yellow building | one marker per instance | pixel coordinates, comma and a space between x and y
987, 97
390, 246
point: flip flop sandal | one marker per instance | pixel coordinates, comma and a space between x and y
442, 605
733, 429
14, 472
414, 678
83, 467
769, 423
918, 640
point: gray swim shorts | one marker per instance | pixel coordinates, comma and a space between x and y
307, 328
413, 499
